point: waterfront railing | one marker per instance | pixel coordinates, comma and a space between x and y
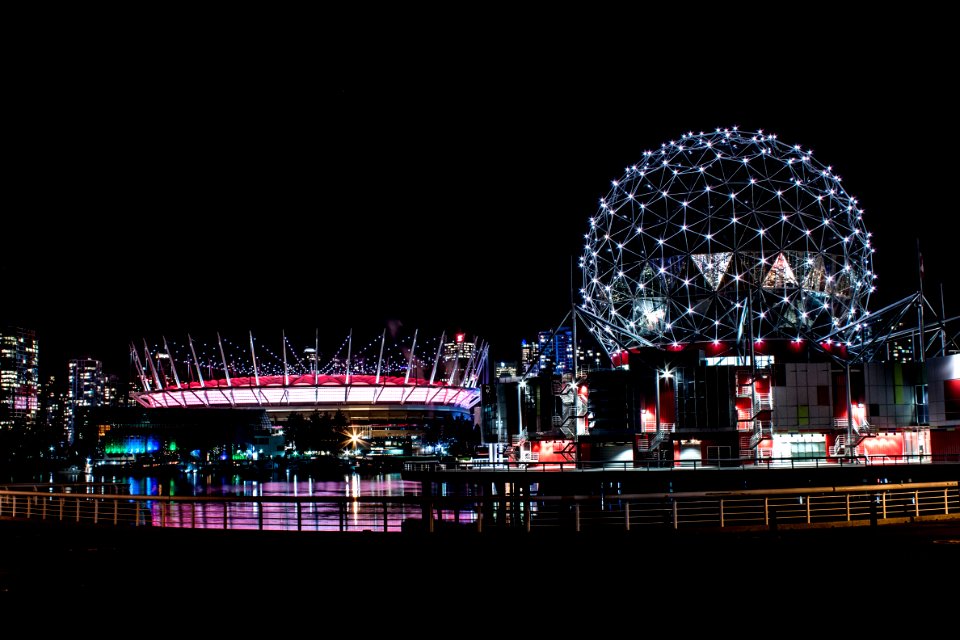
820, 462
107, 505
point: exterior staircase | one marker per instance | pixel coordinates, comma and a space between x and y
841, 447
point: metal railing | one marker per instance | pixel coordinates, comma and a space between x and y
759, 508
484, 464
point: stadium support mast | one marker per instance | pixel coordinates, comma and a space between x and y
456, 365
413, 349
253, 355
349, 353
286, 373
383, 340
144, 380
226, 370
436, 361
196, 363
153, 369
173, 367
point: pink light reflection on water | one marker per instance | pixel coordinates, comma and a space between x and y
308, 514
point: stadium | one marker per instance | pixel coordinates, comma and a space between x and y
220, 399
396, 385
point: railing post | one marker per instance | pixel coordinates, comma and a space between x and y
883, 503
808, 509
626, 517
61, 509
259, 516
299, 516
479, 509
226, 506
721, 513
576, 517
946, 502
386, 522
96, 510
78, 508
916, 503
116, 511
13, 510
29, 503
43, 509
676, 515
163, 515
766, 511
848, 507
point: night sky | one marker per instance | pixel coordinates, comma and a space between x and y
159, 196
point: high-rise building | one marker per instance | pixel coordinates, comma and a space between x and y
457, 355
51, 404
901, 349
556, 350
529, 356
113, 391
590, 359
84, 389
508, 369
19, 376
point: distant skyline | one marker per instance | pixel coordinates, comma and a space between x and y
167, 204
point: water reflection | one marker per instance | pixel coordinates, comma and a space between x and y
351, 485
291, 502
306, 511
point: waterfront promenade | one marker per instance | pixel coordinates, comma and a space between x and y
915, 540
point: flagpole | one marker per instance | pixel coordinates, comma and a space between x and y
922, 345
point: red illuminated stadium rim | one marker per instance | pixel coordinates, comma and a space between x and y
308, 380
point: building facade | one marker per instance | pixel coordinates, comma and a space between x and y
85, 389
19, 376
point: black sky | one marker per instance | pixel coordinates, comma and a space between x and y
153, 194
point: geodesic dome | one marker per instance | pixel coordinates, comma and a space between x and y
717, 230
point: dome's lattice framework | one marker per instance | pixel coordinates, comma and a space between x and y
718, 232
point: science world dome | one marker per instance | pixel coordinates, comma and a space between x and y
723, 236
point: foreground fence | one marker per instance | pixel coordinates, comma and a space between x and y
105, 504
810, 462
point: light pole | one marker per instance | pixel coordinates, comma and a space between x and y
520, 387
